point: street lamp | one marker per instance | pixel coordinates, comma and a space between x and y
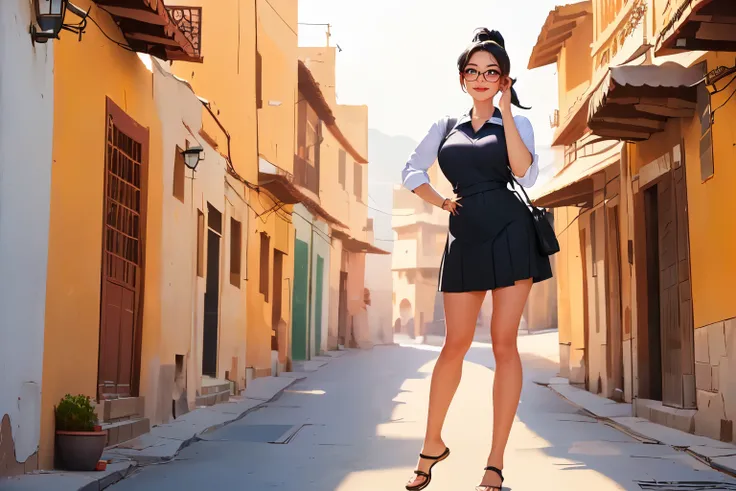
193, 156
50, 19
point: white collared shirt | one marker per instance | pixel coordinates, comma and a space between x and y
415, 174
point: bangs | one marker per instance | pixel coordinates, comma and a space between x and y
499, 53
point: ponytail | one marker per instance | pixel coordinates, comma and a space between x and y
515, 97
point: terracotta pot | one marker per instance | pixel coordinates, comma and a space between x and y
80, 450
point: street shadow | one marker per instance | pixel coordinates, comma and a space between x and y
354, 425
575, 441
351, 420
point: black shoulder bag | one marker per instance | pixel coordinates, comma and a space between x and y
546, 237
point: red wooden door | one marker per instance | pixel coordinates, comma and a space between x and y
124, 221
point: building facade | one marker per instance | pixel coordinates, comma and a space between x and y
27, 105
203, 222
644, 129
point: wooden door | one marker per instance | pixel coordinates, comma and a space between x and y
300, 316
342, 316
614, 332
653, 331
678, 366
318, 304
684, 289
278, 279
123, 254
211, 306
586, 320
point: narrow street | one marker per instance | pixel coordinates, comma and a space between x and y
356, 424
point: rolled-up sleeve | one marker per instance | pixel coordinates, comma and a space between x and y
414, 173
526, 131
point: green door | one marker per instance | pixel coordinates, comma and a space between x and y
299, 301
318, 305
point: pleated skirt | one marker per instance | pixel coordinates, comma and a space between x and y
491, 244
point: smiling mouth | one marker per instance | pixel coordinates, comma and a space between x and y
481, 89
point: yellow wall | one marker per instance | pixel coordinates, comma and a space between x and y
321, 61
569, 273
573, 75
227, 76
353, 122
340, 201
277, 44
712, 225
85, 74
228, 80
281, 232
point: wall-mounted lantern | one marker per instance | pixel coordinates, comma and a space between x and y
193, 156
50, 19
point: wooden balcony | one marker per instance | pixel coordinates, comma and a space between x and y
697, 25
306, 175
150, 27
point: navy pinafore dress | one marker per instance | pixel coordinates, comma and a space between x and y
491, 242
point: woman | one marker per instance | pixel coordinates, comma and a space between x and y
491, 244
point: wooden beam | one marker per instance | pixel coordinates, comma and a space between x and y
670, 102
561, 29
638, 122
145, 16
553, 45
543, 62
148, 38
716, 32
664, 110
626, 101
622, 134
577, 15
713, 18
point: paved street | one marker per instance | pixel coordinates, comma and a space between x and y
360, 420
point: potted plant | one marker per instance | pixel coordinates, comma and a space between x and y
79, 440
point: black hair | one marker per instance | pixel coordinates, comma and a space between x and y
493, 43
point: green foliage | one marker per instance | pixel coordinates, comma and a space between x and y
75, 413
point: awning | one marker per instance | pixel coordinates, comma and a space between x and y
309, 86
151, 27
354, 245
558, 27
571, 186
634, 102
284, 190
697, 25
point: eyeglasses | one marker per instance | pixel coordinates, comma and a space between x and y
471, 75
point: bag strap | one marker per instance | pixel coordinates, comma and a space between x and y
451, 123
513, 178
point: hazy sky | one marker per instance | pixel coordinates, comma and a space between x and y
399, 56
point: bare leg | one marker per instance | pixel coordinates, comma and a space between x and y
508, 305
461, 313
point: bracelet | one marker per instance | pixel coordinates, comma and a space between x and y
444, 202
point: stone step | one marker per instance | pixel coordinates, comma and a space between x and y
125, 408
213, 386
212, 399
122, 431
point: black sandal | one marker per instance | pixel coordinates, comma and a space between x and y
428, 475
487, 487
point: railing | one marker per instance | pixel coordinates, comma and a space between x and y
306, 174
